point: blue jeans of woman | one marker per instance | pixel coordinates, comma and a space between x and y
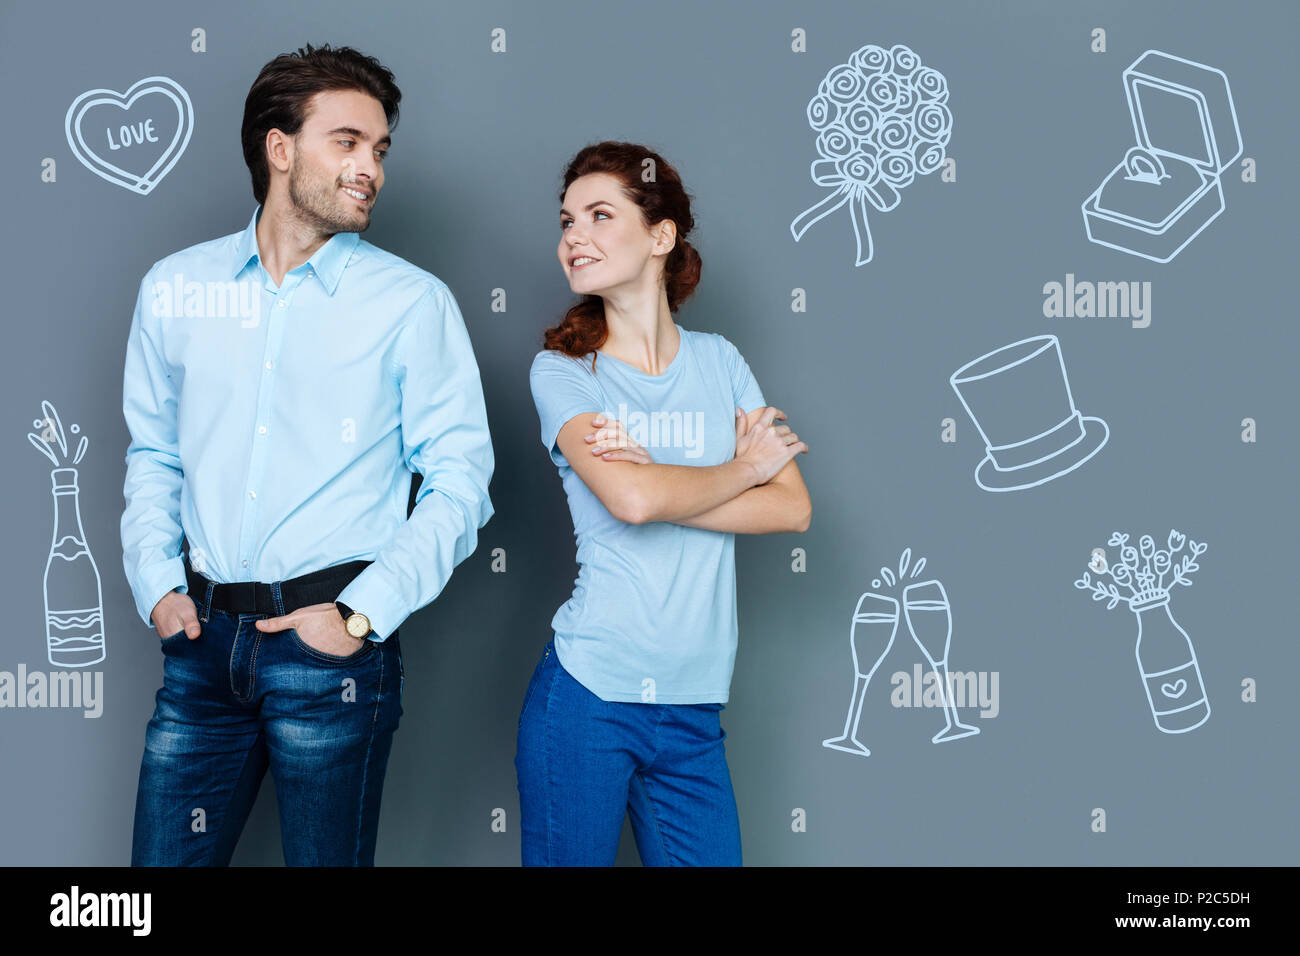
583, 764
236, 700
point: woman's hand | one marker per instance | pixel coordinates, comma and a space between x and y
767, 447
612, 443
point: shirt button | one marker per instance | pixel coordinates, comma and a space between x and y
270, 365
282, 303
261, 429
252, 494
245, 564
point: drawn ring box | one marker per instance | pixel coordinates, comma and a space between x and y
1184, 119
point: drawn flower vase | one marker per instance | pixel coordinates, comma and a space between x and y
1167, 665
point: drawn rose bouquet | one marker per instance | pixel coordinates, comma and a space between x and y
881, 119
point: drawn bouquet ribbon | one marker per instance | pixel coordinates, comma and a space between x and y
881, 120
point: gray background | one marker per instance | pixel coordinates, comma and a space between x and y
863, 374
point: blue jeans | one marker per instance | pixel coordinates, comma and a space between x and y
583, 763
235, 700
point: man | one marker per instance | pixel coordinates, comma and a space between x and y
281, 386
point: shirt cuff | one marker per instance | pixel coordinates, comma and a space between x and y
369, 594
155, 582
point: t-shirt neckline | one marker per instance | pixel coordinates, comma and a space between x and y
675, 364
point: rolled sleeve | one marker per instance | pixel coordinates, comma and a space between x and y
151, 525
744, 387
444, 438
562, 388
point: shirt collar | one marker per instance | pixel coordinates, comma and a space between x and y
328, 262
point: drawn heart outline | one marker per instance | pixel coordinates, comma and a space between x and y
141, 185
1174, 690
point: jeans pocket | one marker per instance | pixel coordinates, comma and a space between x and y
324, 657
536, 679
172, 639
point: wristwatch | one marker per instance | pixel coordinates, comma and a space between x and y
358, 624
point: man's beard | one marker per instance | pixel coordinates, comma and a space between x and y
320, 204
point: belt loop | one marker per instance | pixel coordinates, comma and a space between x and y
207, 601
279, 601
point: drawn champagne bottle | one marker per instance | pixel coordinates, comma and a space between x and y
74, 616
1167, 664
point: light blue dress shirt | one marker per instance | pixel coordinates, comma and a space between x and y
277, 428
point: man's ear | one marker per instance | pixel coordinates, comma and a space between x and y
279, 150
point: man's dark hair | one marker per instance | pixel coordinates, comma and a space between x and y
279, 96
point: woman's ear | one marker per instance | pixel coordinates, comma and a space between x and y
665, 237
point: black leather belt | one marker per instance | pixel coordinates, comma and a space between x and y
256, 597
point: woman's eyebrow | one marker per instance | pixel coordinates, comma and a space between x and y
590, 205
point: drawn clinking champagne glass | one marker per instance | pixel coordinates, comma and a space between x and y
929, 618
875, 622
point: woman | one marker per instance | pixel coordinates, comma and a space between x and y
622, 713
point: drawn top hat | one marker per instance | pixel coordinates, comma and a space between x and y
1019, 398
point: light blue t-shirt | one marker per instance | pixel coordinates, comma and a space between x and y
653, 612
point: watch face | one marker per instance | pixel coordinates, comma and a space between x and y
358, 626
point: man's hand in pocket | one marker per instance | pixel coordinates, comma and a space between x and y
175, 613
320, 626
